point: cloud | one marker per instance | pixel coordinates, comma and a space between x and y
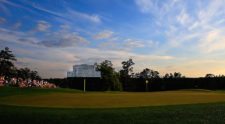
103, 35
118, 43
42, 26
59, 39
52, 39
10, 36
2, 20
68, 14
145, 5
213, 41
64, 27
15, 36
17, 25
183, 18
7, 2
111, 44
91, 17
132, 43
157, 8
4, 9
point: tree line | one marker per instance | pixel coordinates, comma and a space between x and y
115, 79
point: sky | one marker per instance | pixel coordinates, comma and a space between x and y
51, 36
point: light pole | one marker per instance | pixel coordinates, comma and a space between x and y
146, 85
84, 85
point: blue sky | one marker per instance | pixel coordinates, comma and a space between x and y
165, 35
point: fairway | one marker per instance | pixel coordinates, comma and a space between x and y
78, 99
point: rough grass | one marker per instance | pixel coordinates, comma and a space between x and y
61, 98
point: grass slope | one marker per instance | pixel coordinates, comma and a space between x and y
10, 91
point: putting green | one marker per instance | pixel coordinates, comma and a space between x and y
112, 99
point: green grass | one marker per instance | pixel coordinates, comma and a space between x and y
35, 106
66, 98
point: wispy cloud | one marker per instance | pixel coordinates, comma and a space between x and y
103, 35
42, 25
51, 39
119, 43
2, 20
145, 6
59, 39
91, 17
17, 25
7, 2
213, 41
184, 18
68, 14
183, 25
132, 43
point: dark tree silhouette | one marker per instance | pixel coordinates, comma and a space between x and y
177, 75
34, 75
26, 73
166, 75
173, 75
7, 60
127, 68
148, 73
109, 75
209, 76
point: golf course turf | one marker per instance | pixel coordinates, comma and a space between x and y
72, 106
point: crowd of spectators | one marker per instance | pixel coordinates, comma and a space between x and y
19, 82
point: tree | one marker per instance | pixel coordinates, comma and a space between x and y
127, 68
34, 75
173, 75
148, 73
109, 75
209, 76
7, 60
177, 75
26, 73
166, 75
221, 76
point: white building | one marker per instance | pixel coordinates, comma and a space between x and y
84, 70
